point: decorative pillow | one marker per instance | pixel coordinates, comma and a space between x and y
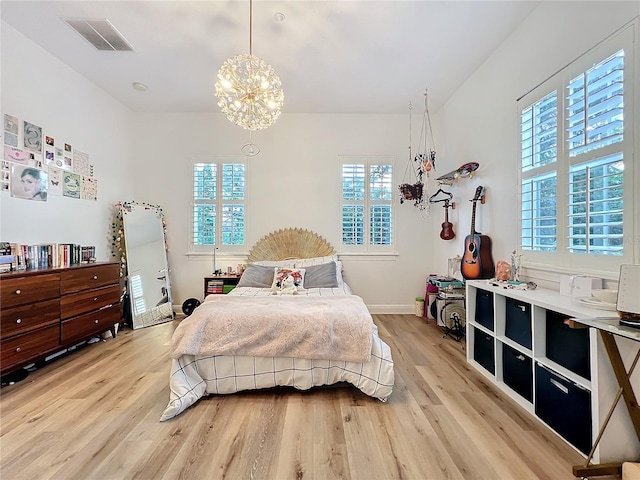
321, 276
259, 276
287, 280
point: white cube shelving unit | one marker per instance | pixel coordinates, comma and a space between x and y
516, 331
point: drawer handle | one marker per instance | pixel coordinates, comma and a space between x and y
18, 292
520, 357
95, 299
19, 320
17, 349
95, 321
95, 277
559, 386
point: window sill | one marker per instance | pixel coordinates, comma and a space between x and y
369, 256
207, 255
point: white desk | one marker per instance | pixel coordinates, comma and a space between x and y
609, 328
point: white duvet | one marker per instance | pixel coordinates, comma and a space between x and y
194, 376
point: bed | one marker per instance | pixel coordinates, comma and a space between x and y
291, 321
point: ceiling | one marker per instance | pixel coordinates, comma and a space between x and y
342, 56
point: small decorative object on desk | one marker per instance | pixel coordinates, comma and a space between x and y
509, 284
516, 260
503, 270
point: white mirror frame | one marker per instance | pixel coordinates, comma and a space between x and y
147, 276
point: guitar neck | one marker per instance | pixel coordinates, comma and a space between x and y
473, 218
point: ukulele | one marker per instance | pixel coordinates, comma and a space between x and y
447, 232
476, 261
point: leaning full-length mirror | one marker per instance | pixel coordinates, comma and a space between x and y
148, 283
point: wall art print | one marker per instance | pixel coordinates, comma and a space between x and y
71, 185
55, 181
11, 130
11, 124
10, 139
89, 188
6, 176
49, 156
29, 183
32, 137
81, 163
16, 155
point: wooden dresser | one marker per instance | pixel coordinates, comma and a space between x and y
46, 311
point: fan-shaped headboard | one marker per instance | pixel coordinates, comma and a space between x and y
290, 243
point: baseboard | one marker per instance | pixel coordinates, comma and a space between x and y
392, 309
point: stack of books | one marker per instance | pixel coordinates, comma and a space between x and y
15, 256
214, 286
6, 258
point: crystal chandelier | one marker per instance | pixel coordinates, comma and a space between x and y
249, 90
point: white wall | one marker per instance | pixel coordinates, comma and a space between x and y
293, 182
480, 121
37, 87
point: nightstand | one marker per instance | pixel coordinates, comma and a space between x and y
220, 284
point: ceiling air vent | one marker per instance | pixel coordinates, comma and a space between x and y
100, 34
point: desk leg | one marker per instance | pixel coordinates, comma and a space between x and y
623, 379
626, 391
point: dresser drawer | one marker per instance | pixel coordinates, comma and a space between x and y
24, 318
30, 288
76, 279
83, 326
82, 302
24, 348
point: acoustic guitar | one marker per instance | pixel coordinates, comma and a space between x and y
447, 232
476, 261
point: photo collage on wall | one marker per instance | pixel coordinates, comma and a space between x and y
36, 165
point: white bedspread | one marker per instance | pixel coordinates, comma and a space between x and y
337, 327
195, 376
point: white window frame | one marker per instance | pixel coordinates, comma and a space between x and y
218, 160
367, 161
562, 260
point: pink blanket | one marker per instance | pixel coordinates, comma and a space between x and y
336, 327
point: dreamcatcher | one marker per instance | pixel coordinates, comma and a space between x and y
420, 164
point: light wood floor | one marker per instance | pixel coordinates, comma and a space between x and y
94, 415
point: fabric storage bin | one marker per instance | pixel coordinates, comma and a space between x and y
565, 407
518, 321
484, 350
517, 372
568, 346
484, 308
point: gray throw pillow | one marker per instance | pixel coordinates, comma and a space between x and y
321, 276
260, 276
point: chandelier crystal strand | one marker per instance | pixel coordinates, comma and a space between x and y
249, 90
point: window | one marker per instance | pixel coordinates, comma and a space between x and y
218, 204
367, 203
577, 149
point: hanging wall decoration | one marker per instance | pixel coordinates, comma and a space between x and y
420, 164
412, 191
